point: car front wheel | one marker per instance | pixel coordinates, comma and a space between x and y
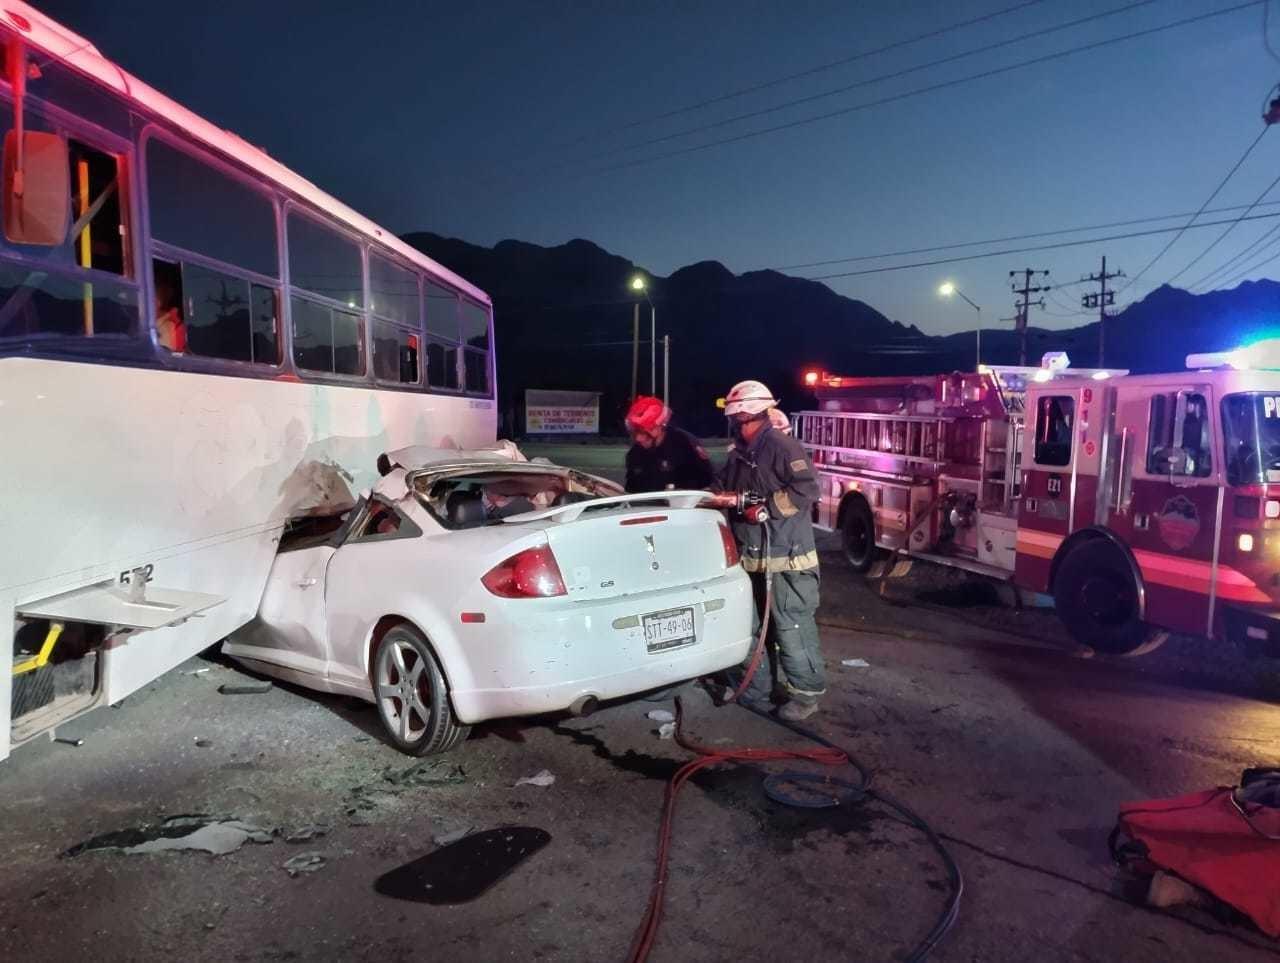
412, 695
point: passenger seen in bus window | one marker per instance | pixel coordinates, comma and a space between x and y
171, 329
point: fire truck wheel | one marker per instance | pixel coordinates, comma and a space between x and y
1097, 599
858, 535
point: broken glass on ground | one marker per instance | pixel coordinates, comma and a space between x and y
218, 835
307, 862
464, 870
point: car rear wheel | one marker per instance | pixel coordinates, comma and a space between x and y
1096, 595
858, 535
412, 695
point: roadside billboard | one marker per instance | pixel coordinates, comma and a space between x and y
561, 412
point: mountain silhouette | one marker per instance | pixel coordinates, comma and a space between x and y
563, 319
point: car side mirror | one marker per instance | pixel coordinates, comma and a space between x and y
37, 196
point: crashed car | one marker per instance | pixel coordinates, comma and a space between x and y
469, 586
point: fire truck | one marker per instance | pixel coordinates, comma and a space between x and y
1143, 504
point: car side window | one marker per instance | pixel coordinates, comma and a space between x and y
383, 521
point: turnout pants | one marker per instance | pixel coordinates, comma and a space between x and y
794, 652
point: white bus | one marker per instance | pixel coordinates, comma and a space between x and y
196, 344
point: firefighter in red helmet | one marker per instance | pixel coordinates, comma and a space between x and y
662, 457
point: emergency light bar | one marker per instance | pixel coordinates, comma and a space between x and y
1264, 354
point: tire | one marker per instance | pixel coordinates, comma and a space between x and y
412, 696
858, 535
1096, 596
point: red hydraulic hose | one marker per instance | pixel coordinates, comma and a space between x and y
827, 756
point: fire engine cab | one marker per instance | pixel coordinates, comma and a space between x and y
1142, 503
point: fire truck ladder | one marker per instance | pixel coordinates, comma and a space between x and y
833, 436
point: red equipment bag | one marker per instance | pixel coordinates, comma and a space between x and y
1224, 840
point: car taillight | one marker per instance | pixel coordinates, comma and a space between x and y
730, 546
531, 574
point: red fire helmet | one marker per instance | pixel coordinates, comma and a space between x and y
648, 414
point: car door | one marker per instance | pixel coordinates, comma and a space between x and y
369, 567
289, 629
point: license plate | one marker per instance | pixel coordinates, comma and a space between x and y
668, 630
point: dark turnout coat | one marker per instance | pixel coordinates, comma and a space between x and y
776, 466
678, 462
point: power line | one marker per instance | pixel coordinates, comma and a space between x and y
943, 85
1026, 250
1245, 272
1018, 237
1231, 227
1235, 259
1221, 184
820, 68
822, 95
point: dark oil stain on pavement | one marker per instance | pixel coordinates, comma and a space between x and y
737, 788
462, 871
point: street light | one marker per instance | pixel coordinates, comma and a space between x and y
946, 289
639, 285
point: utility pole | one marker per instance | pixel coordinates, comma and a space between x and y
635, 349
1102, 300
666, 370
1022, 305
653, 348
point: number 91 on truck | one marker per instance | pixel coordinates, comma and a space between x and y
1144, 504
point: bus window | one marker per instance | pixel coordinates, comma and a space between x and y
442, 312
324, 262
444, 331
393, 291
477, 371
76, 287
475, 325
1055, 415
326, 339
215, 238
395, 309
196, 207
225, 316
442, 366
475, 337
395, 353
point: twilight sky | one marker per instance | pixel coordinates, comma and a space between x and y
512, 119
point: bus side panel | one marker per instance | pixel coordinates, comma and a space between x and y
109, 468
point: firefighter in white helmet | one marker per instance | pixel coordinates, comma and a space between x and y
768, 462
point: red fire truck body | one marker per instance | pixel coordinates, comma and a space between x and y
1143, 504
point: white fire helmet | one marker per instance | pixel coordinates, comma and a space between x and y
748, 398
779, 420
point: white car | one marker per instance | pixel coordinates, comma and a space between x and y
469, 586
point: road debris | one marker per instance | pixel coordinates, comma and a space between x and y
448, 839
197, 671
308, 862
304, 834
856, 663
660, 715
69, 741
432, 772
667, 730
218, 835
255, 688
202, 743
464, 870
543, 779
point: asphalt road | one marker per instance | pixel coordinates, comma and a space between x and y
1013, 745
